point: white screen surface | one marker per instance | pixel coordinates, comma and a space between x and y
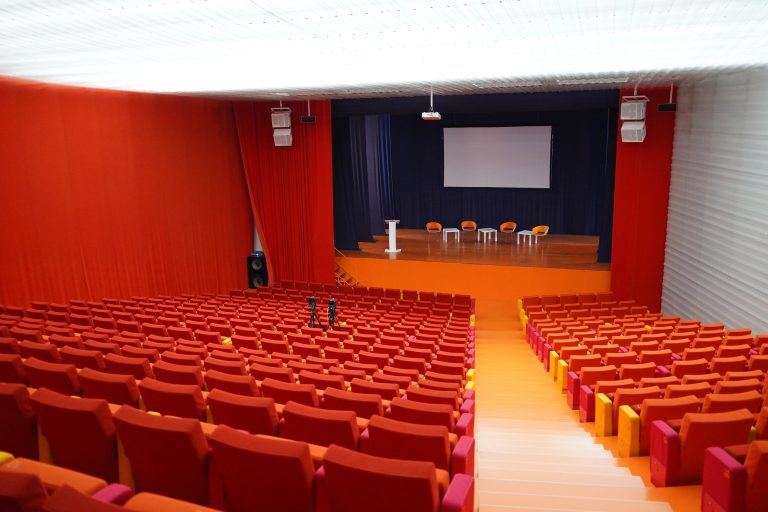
504, 157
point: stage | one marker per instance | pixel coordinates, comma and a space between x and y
498, 270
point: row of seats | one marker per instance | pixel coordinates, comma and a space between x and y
330, 422
32, 486
681, 391
169, 455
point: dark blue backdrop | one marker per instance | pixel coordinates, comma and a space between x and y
579, 201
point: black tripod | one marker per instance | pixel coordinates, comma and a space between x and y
332, 322
312, 305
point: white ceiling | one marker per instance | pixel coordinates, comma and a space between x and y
368, 48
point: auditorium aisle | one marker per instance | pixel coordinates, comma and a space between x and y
533, 454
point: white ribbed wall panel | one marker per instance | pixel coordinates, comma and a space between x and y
716, 265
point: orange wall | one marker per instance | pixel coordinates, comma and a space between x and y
481, 281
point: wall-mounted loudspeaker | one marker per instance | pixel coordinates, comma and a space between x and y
281, 117
633, 131
283, 136
633, 108
257, 270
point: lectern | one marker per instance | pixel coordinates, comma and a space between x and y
392, 236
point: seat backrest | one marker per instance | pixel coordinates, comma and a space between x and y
18, 428
737, 386
321, 380
263, 473
55, 376
637, 371
121, 365
592, 374
115, 389
402, 440
168, 455
663, 409
723, 402
722, 365
183, 400
12, 369
697, 389
358, 481
21, 492
319, 426
631, 396
699, 431
691, 367
363, 404
385, 391
80, 432
225, 366
284, 392
256, 415
178, 373
238, 384
83, 358
422, 413
431, 396
263, 371
756, 467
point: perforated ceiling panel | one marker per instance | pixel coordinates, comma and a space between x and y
342, 48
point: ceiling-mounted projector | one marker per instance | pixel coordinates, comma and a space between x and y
430, 116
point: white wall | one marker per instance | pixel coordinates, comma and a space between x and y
716, 265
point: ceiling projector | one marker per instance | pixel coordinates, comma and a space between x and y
430, 116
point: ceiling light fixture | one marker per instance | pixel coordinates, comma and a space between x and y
431, 115
591, 81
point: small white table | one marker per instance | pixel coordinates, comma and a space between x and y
486, 232
525, 234
455, 231
392, 236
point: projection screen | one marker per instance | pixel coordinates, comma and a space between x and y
499, 157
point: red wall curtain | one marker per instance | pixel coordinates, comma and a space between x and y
641, 201
118, 194
291, 190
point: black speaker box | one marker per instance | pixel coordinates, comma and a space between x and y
257, 270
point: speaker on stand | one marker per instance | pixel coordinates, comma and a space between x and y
257, 270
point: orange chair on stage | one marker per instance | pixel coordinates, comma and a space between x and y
508, 227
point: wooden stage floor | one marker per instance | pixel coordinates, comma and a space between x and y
552, 251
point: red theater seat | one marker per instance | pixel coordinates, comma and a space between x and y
168, 456
354, 481
238, 384
183, 400
79, 431
256, 415
730, 484
18, 428
284, 392
319, 426
263, 473
54, 376
115, 389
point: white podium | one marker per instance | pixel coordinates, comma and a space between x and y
392, 236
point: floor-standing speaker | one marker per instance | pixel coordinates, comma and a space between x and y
257, 270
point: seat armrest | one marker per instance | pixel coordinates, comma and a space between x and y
322, 502
586, 404
468, 407
603, 415
460, 496
665, 454
466, 425
629, 432
364, 441
116, 494
554, 357
724, 484
469, 395
662, 371
573, 383
463, 457
562, 374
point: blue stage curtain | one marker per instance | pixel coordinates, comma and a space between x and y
580, 197
362, 167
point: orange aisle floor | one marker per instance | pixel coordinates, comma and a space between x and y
533, 454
